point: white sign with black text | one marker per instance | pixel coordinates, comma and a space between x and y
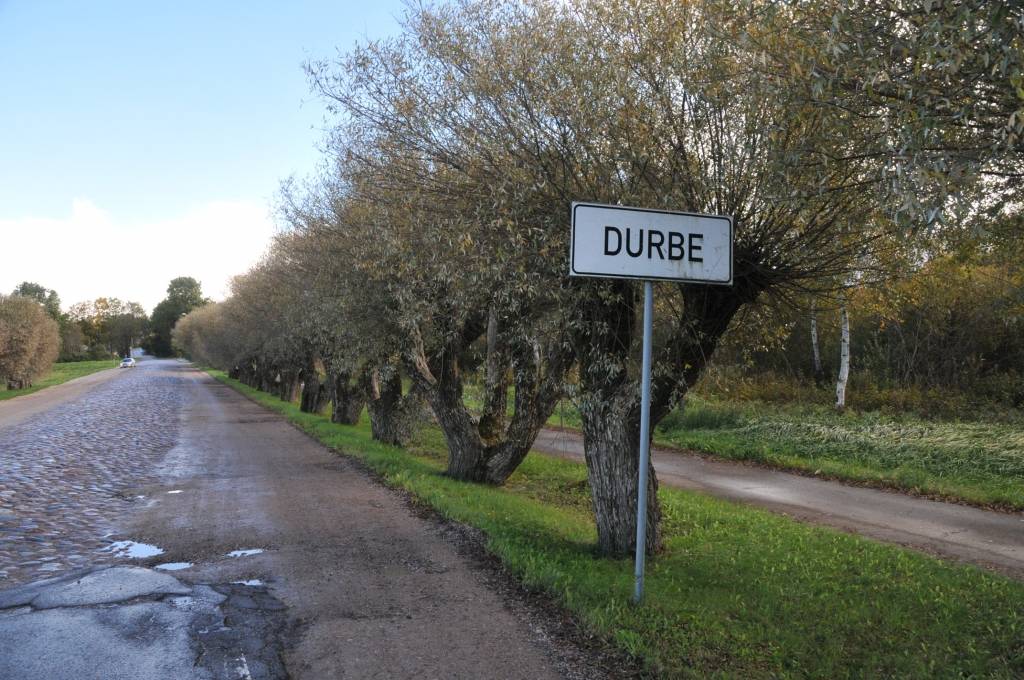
637, 243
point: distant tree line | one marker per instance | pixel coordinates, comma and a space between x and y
103, 328
100, 329
426, 264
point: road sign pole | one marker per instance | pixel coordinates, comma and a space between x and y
643, 244
645, 444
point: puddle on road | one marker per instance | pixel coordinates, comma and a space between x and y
253, 582
133, 549
173, 566
245, 552
174, 491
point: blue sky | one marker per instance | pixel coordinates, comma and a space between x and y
122, 120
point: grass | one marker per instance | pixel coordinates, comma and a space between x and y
738, 592
61, 373
979, 462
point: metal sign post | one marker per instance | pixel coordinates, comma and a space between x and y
645, 445
613, 241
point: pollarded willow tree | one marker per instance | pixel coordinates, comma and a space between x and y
360, 335
486, 119
466, 302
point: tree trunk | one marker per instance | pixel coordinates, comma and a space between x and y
612, 447
844, 358
819, 374
348, 399
309, 401
312, 399
393, 416
611, 410
495, 406
288, 386
538, 384
268, 380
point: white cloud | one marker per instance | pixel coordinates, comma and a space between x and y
91, 253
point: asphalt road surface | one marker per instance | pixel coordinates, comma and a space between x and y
285, 559
959, 532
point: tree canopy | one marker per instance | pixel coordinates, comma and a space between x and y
29, 340
47, 297
183, 295
432, 249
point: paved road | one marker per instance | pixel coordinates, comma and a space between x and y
292, 560
990, 539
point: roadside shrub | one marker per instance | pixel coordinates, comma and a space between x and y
735, 383
993, 397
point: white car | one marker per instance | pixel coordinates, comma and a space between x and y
127, 362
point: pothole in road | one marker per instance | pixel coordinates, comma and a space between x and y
252, 582
245, 552
133, 549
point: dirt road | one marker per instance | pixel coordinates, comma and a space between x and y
286, 559
991, 539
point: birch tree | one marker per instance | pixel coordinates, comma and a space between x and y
819, 374
844, 356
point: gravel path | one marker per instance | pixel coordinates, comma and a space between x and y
67, 473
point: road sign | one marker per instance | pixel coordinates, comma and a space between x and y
613, 241
654, 245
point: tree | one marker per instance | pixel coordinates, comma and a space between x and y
935, 90
844, 357
108, 325
475, 132
183, 295
47, 297
29, 341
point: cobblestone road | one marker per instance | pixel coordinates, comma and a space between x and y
67, 474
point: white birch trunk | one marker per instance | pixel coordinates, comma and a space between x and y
816, 354
844, 358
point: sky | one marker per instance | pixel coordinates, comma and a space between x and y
142, 141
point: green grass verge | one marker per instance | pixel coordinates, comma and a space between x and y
977, 462
61, 373
738, 592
